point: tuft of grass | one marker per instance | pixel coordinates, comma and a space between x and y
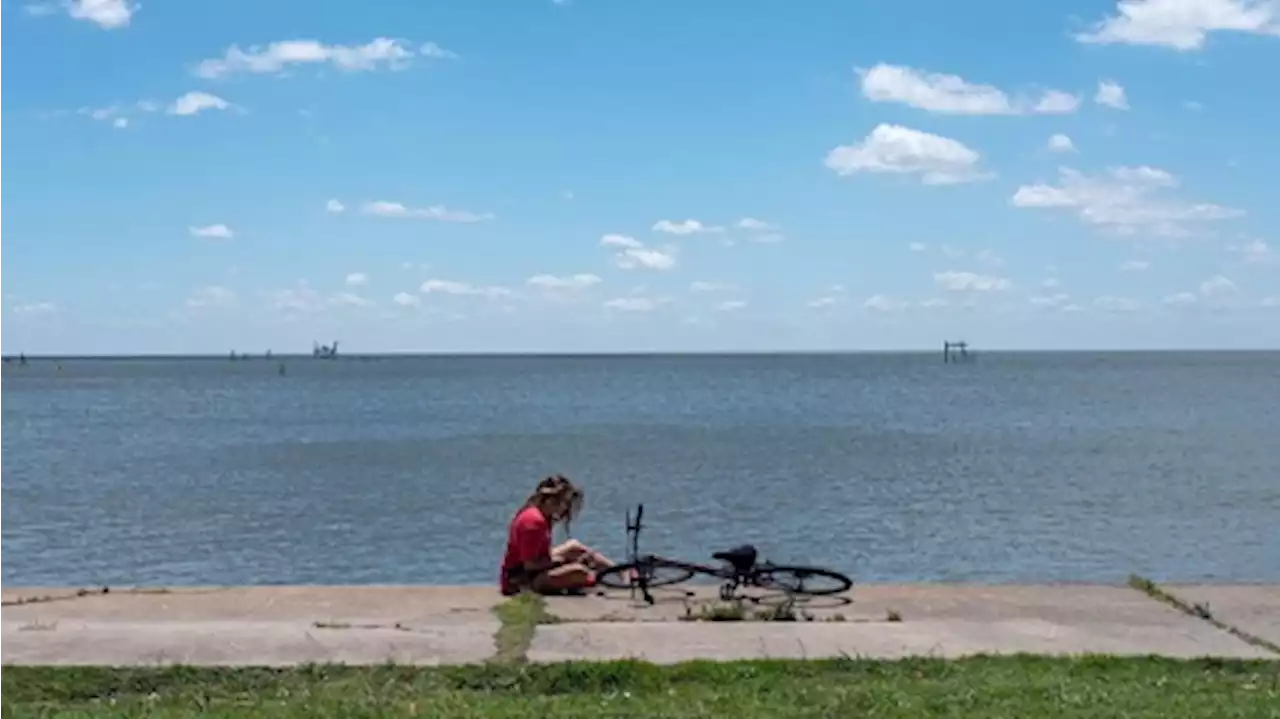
1201, 611
735, 611
520, 616
716, 612
893, 615
991, 687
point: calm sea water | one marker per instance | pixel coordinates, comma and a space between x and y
1017, 467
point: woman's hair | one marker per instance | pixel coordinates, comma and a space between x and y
557, 487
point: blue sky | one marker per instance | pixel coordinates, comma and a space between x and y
610, 175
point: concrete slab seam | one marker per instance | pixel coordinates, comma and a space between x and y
1198, 611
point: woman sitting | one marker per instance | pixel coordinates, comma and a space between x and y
530, 561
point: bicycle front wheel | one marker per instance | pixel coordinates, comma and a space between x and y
653, 574
811, 581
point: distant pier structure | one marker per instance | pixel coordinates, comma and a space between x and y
955, 352
320, 351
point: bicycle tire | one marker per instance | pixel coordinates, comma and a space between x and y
768, 577
619, 575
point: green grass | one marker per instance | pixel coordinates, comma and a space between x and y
991, 687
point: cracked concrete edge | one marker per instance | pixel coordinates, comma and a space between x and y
66, 594
1153, 590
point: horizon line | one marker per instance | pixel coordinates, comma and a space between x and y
408, 354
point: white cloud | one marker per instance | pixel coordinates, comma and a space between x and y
954, 281
832, 295
952, 95
684, 227
751, 223
299, 299
1183, 24
357, 279
351, 299
1134, 265
1061, 143
895, 149
1056, 301
632, 304
404, 299
990, 258
1050, 283
1254, 252
277, 56
644, 258
1218, 286
623, 241
451, 287
117, 114
1216, 291
703, 286
106, 14
219, 232
631, 254
1056, 102
384, 208
213, 296
1123, 199
881, 303
1111, 303
567, 282
917, 247
120, 114
730, 306
35, 309
196, 102
100, 113
432, 50
334, 206
1111, 94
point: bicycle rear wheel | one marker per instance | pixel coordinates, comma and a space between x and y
811, 581
653, 574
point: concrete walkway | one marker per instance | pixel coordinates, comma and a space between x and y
433, 625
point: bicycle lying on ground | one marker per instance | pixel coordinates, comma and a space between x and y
738, 568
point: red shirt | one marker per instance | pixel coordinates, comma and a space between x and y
528, 538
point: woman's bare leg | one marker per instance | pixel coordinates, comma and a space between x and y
567, 576
574, 551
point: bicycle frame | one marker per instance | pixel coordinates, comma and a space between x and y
733, 577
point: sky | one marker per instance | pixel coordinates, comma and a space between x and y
611, 175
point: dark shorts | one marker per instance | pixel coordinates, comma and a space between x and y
519, 578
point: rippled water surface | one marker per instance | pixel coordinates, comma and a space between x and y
1016, 467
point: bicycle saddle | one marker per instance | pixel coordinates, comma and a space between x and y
742, 557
